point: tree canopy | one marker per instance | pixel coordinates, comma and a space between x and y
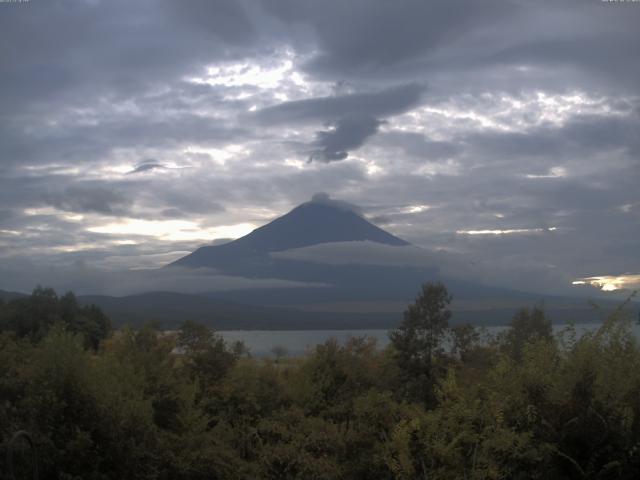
33, 316
149, 404
418, 340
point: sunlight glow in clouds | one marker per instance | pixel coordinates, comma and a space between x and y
501, 112
245, 74
218, 155
450, 167
415, 209
173, 230
505, 232
555, 172
609, 283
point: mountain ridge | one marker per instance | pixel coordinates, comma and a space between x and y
310, 223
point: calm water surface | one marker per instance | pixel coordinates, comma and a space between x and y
297, 342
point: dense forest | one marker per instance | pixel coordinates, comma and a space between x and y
440, 402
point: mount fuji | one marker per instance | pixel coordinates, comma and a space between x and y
339, 271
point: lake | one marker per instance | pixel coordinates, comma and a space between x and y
297, 342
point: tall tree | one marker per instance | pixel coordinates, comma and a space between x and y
418, 339
206, 355
527, 325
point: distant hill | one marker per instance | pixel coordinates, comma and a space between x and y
171, 309
331, 308
6, 296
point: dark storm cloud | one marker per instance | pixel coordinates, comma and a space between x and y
225, 20
560, 44
184, 203
147, 166
364, 36
581, 136
348, 133
604, 132
94, 199
69, 48
420, 146
80, 144
602, 51
353, 117
391, 101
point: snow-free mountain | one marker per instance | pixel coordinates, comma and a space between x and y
347, 272
311, 223
322, 265
305, 245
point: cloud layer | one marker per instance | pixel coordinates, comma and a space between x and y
133, 132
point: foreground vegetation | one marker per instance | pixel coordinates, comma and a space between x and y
148, 405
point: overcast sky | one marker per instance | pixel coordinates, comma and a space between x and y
502, 132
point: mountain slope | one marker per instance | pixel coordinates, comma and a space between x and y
7, 296
308, 224
259, 255
312, 223
340, 289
